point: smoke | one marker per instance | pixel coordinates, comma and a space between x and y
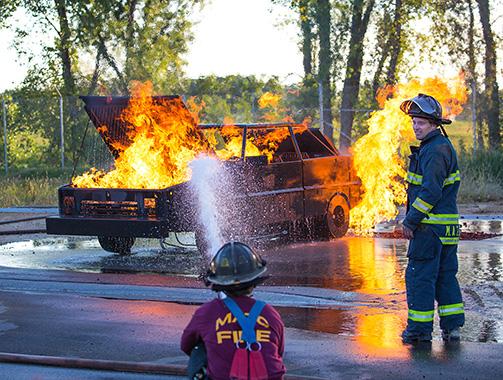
208, 184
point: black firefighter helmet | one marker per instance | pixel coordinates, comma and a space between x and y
235, 267
424, 106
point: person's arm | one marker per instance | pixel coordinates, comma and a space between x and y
279, 328
191, 336
281, 346
434, 166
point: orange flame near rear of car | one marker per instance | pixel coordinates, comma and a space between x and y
380, 155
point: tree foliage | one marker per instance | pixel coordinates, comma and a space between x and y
129, 39
472, 46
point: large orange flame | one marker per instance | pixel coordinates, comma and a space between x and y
162, 141
162, 145
380, 155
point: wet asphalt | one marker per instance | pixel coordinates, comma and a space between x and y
64, 296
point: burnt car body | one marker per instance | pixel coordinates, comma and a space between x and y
304, 186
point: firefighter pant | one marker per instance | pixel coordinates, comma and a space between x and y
431, 275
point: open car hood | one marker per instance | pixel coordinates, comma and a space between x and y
106, 111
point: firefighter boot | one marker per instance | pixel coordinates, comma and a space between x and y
415, 337
452, 335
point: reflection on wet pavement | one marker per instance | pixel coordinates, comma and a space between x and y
372, 266
486, 225
366, 265
369, 266
376, 267
375, 331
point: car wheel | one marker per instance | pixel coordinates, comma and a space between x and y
202, 243
117, 244
337, 217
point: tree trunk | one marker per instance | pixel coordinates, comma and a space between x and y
307, 37
96, 73
478, 142
129, 34
325, 62
111, 61
64, 50
395, 43
376, 81
491, 96
351, 89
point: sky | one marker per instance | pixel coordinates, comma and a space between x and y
10, 71
231, 37
244, 36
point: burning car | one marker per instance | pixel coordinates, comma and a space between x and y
284, 177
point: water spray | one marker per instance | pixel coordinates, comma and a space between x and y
208, 176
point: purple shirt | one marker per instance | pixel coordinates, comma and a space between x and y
214, 324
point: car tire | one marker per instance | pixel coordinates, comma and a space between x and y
202, 243
337, 216
117, 244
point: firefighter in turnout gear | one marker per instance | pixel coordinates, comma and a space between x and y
432, 226
235, 336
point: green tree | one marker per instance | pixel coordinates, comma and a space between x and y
140, 40
130, 39
491, 92
472, 45
360, 16
323, 11
235, 96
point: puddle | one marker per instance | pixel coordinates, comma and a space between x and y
84, 254
364, 265
374, 328
373, 266
349, 264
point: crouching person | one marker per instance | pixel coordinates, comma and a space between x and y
237, 336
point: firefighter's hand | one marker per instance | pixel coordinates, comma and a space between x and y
407, 233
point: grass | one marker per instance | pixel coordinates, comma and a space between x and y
30, 191
481, 176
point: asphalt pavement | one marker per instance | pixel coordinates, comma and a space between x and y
62, 319
342, 303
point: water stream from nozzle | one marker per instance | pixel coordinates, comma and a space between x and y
208, 179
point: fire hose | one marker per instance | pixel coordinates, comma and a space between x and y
96, 364
106, 365
22, 232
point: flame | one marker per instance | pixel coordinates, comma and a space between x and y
268, 99
380, 155
162, 143
274, 110
162, 139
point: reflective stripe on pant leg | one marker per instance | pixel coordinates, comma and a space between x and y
421, 316
455, 308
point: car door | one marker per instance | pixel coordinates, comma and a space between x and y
273, 177
325, 172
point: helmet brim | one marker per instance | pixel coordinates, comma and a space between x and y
406, 107
241, 286
232, 280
